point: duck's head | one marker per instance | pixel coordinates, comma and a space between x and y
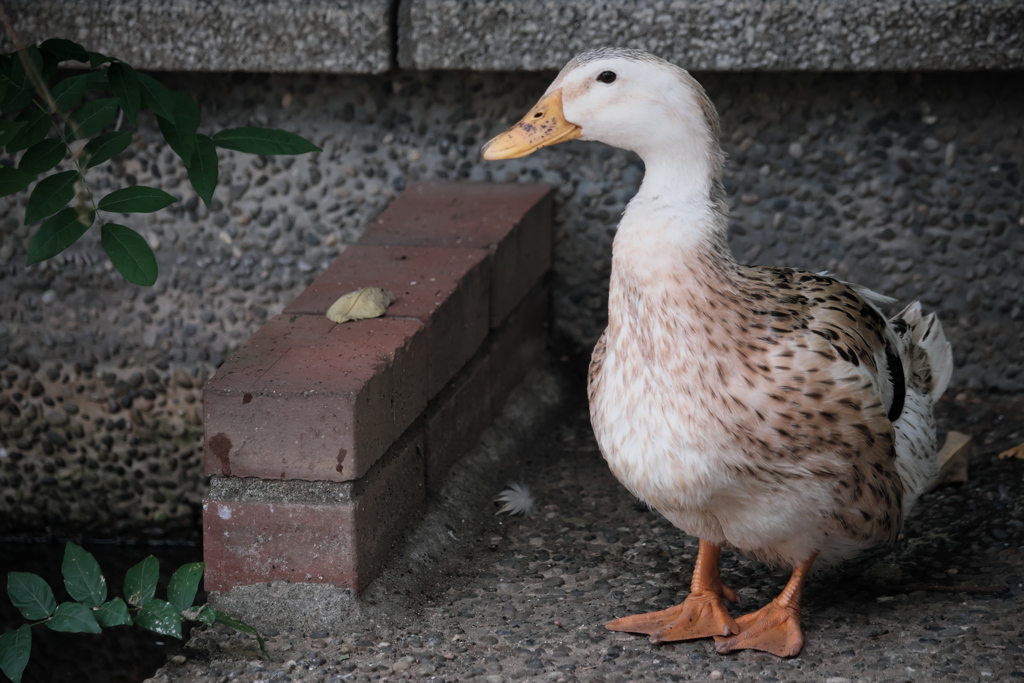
625, 98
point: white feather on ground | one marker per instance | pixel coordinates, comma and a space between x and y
517, 500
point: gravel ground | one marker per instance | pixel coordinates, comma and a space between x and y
527, 600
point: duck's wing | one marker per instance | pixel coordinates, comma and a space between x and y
832, 382
841, 325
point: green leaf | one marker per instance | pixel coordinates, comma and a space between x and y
160, 617
267, 141
124, 82
65, 50
30, 594
37, 124
20, 91
15, 648
240, 625
50, 65
96, 81
203, 171
91, 118
57, 233
113, 613
12, 180
50, 195
82, 576
157, 97
181, 591
8, 129
138, 199
103, 147
133, 258
181, 136
42, 156
140, 580
68, 92
96, 60
72, 617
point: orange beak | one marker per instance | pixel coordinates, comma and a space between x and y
543, 125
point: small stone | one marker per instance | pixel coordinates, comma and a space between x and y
796, 150
946, 133
182, 378
236, 191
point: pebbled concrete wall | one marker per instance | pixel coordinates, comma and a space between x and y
329, 36
722, 35
370, 36
907, 183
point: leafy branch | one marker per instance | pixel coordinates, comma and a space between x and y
78, 119
89, 611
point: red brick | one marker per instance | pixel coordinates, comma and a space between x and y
341, 543
455, 419
515, 347
445, 289
512, 221
252, 542
308, 399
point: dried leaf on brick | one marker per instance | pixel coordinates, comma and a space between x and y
369, 302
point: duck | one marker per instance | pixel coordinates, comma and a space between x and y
767, 409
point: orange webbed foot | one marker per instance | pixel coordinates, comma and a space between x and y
702, 614
774, 628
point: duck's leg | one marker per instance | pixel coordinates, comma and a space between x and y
702, 614
774, 628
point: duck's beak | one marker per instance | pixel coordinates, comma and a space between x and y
543, 125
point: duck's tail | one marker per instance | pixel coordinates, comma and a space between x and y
930, 361
928, 366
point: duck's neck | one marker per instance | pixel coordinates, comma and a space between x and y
675, 226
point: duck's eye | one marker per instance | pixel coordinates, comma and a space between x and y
607, 77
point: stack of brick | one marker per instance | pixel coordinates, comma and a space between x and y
326, 440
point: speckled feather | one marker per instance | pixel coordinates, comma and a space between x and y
772, 409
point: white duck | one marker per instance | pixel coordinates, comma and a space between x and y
770, 409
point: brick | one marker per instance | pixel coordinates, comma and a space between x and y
342, 543
454, 420
445, 289
512, 221
308, 399
515, 347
